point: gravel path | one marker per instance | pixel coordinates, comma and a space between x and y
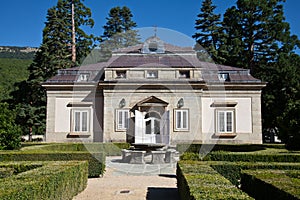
119, 186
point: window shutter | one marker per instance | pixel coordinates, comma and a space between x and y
122, 120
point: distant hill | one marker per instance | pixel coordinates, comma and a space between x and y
18, 52
14, 62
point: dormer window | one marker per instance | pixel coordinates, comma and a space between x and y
223, 77
121, 74
184, 74
152, 74
84, 77
153, 47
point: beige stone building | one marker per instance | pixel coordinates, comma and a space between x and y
154, 93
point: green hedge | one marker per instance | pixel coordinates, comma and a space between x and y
243, 157
195, 148
272, 184
110, 149
55, 180
199, 181
96, 161
8, 169
6, 172
232, 170
253, 157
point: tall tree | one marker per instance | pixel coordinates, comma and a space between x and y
258, 38
256, 30
118, 31
10, 133
54, 53
208, 30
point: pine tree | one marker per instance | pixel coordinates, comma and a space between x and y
258, 38
209, 31
54, 53
118, 31
255, 31
10, 133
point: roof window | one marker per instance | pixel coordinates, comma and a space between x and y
84, 77
223, 77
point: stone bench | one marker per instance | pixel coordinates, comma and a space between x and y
170, 156
126, 155
137, 157
158, 157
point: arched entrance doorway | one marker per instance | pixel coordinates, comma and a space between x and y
151, 121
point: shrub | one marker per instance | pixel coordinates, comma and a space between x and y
96, 161
10, 133
55, 180
272, 184
199, 181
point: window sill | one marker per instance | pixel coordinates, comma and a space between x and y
181, 130
79, 133
225, 135
121, 130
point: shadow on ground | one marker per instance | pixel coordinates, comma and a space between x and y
158, 193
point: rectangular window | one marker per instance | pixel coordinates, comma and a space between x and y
225, 121
84, 77
122, 120
152, 74
223, 77
184, 74
181, 120
121, 74
80, 121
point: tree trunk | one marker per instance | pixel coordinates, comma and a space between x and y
73, 36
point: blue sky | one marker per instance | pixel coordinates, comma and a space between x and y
22, 22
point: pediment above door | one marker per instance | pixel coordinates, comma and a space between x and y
152, 102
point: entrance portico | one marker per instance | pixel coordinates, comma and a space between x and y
151, 121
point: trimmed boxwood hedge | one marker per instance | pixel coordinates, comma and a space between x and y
272, 184
96, 161
232, 170
110, 149
253, 157
195, 148
55, 180
243, 157
199, 181
6, 172
9, 169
